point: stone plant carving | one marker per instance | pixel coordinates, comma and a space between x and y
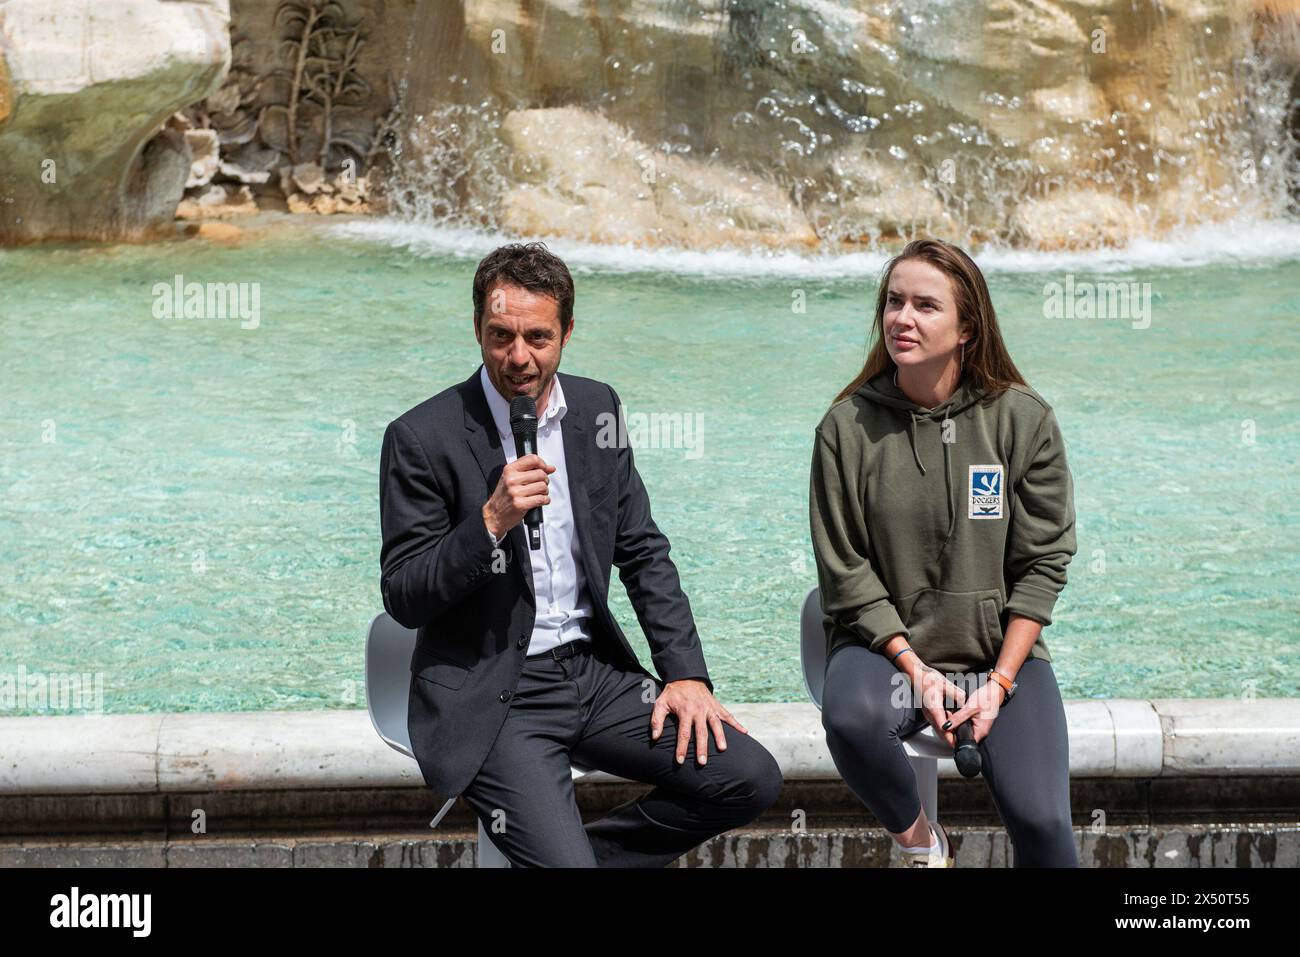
300, 135
327, 100
309, 24
337, 83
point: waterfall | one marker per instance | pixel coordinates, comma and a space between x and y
795, 124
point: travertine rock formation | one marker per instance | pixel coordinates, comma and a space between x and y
1039, 123
85, 89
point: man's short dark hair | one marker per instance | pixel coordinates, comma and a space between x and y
531, 266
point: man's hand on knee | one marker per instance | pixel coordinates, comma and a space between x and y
695, 709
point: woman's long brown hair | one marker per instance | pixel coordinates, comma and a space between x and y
986, 365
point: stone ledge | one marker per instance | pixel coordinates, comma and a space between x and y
276, 750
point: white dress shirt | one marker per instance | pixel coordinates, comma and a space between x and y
563, 607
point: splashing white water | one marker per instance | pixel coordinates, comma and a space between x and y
1245, 243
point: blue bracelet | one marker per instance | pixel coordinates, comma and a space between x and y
908, 648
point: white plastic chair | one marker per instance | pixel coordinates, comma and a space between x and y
389, 647
924, 748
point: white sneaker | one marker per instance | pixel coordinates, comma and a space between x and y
939, 856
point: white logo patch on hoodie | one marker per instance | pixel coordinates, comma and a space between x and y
984, 491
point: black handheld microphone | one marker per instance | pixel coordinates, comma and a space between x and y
523, 423
967, 753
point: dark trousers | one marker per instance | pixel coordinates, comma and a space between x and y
597, 715
1025, 756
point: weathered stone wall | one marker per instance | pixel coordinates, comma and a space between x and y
1182, 846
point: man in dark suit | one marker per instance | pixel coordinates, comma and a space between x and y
519, 666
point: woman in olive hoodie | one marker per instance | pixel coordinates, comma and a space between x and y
942, 519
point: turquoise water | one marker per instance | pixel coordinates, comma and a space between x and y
190, 506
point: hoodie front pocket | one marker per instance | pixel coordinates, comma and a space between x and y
951, 630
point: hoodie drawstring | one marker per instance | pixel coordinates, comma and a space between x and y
911, 434
947, 476
947, 470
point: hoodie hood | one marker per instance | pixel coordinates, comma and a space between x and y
882, 391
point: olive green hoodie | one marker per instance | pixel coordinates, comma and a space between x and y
938, 523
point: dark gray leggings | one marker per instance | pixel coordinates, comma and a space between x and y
1026, 757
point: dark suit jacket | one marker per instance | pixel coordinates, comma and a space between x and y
440, 462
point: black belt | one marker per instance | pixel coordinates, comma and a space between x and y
566, 650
